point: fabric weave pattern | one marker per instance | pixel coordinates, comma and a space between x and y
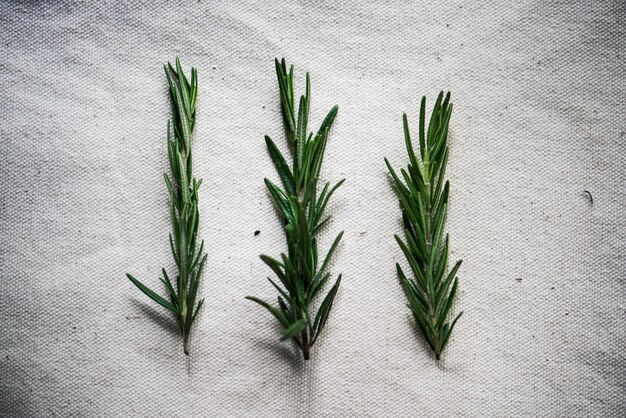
539, 90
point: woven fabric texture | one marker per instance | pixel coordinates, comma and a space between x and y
539, 90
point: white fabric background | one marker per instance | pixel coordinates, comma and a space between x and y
539, 90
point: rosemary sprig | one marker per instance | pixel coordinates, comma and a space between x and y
302, 210
424, 204
183, 205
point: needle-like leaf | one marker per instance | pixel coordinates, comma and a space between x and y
151, 294
293, 330
281, 166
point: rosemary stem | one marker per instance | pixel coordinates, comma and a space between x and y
306, 347
185, 345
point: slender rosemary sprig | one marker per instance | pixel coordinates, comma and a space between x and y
424, 204
302, 210
183, 205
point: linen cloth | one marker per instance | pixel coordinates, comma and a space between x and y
539, 94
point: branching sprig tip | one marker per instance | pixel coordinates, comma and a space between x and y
300, 276
183, 191
423, 199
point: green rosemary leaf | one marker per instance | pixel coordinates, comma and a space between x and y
281, 166
436, 232
422, 120
414, 295
413, 263
302, 211
286, 312
276, 266
168, 284
195, 282
193, 318
303, 120
438, 221
416, 244
321, 197
286, 99
442, 200
434, 119
184, 89
443, 288
293, 330
284, 308
281, 291
320, 225
169, 186
174, 252
318, 284
443, 313
411, 211
195, 263
183, 192
277, 314
151, 294
407, 141
449, 331
440, 268
329, 119
398, 185
194, 91
423, 326
300, 132
423, 199
330, 253
324, 310
324, 198
318, 155
411, 186
279, 198
290, 84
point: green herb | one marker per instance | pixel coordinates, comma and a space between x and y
302, 210
181, 301
424, 204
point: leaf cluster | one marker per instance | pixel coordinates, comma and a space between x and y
423, 199
183, 191
301, 277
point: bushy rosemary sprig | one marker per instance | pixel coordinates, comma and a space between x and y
183, 205
302, 211
424, 203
